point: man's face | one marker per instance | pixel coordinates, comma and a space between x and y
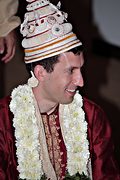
60, 85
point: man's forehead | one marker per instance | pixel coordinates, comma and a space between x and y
69, 58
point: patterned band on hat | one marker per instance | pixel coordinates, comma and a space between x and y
46, 31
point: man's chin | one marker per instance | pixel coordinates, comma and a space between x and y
68, 101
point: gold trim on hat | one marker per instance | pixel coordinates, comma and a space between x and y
45, 46
63, 49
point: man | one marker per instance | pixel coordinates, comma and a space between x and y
8, 22
52, 136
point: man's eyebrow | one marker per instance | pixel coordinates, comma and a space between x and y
71, 68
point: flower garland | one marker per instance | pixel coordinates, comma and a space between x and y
75, 136
26, 133
27, 142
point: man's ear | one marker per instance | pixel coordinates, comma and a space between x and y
39, 72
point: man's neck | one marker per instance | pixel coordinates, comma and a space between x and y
45, 106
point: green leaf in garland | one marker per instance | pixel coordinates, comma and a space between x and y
43, 177
77, 176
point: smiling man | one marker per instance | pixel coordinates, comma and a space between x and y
60, 85
47, 130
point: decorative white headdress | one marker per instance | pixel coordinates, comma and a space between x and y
46, 31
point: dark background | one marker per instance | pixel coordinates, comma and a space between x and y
98, 54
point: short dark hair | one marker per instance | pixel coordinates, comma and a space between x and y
47, 63
50, 62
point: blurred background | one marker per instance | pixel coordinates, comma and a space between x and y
97, 24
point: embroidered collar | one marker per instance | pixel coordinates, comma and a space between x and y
74, 131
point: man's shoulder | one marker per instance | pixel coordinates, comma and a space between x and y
93, 111
5, 114
90, 105
5, 100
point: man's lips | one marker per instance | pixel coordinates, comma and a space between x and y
70, 90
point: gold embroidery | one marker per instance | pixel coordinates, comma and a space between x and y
53, 142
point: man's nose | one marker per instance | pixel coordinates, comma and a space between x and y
78, 81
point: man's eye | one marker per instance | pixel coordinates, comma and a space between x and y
71, 70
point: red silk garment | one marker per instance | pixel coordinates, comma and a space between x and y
99, 134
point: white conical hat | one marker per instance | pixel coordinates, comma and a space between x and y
46, 31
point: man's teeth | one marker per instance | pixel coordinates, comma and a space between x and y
70, 90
